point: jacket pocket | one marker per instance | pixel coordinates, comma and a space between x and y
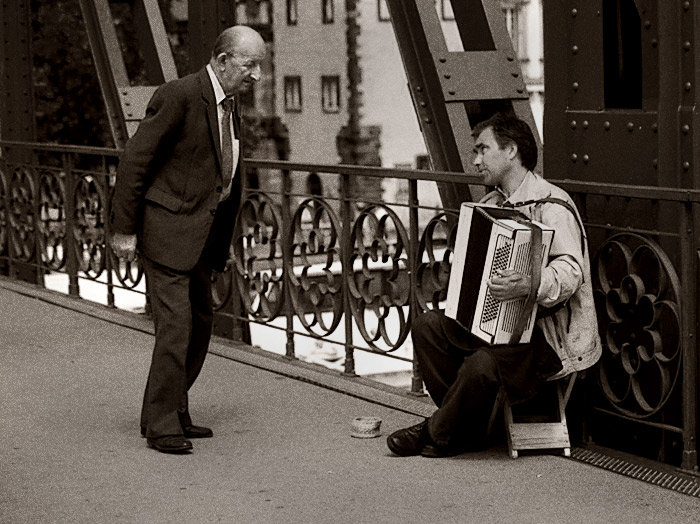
165, 199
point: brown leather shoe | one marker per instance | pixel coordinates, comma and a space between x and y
193, 431
170, 444
409, 441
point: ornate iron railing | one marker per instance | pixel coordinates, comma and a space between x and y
322, 254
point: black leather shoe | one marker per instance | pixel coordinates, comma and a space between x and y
170, 444
409, 441
193, 431
433, 450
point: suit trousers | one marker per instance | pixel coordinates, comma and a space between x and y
182, 310
462, 382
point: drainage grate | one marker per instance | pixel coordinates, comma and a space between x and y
670, 480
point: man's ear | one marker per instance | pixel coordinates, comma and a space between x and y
221, 61
512, 148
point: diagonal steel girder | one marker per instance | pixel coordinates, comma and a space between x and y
126, 104
452, 90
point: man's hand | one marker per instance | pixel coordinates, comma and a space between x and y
509, 284
124, 246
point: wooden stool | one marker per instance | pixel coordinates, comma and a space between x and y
536, 434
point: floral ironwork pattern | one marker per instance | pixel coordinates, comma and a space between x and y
637, 299
259, 272
52, 219
379, 280
22, 193
316, 286
435, 260
4, 233
89, 227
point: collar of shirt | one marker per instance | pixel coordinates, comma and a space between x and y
523, 189
218, 90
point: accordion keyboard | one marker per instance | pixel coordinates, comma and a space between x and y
500, 261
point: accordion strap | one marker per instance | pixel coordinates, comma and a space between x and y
554, 200
535, 275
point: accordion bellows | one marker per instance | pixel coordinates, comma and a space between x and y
491, 239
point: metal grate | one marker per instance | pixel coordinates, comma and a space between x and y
666, 479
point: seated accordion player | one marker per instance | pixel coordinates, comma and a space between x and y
491, 239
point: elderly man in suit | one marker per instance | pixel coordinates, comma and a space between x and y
175, 201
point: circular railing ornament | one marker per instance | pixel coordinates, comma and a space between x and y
258, 260
435, 261
315, 279
52, 220
89, 227
637, 295
4, 216
22, 192
379, 280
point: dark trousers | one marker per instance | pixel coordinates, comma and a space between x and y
181, 304
463, 382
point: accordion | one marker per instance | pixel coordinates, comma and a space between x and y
491, 239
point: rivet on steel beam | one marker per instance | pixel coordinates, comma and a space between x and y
687, 86
585, 159
573, 124
443, 60
575, 86
510, 58
687, 46
574, 157
647, 24
685, 129
452, 92
574, 49
654, 127
654, 42
428, 121
655, 163
630, 126
686, 5
585, 124
419, 89
519, 90
606, 125
574, 12
686, 165
515, 74
423, 104
447, 75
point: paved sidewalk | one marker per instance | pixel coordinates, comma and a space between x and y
70, 393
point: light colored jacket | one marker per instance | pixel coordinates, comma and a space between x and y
572, 330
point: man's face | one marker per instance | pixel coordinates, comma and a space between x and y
242, 67
492, 162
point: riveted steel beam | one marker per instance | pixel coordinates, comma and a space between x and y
126, 104
453, 90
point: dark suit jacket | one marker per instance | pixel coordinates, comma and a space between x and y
169, 177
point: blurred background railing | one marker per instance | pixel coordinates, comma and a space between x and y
335, 277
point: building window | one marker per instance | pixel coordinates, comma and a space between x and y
327, 11
253, 13
512, 11
447, 13
292, 15
330, 94
292, 94
383, 11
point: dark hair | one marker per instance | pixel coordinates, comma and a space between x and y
510, 129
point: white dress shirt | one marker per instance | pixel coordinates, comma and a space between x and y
220, 96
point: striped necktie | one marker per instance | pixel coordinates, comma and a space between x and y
226, 142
